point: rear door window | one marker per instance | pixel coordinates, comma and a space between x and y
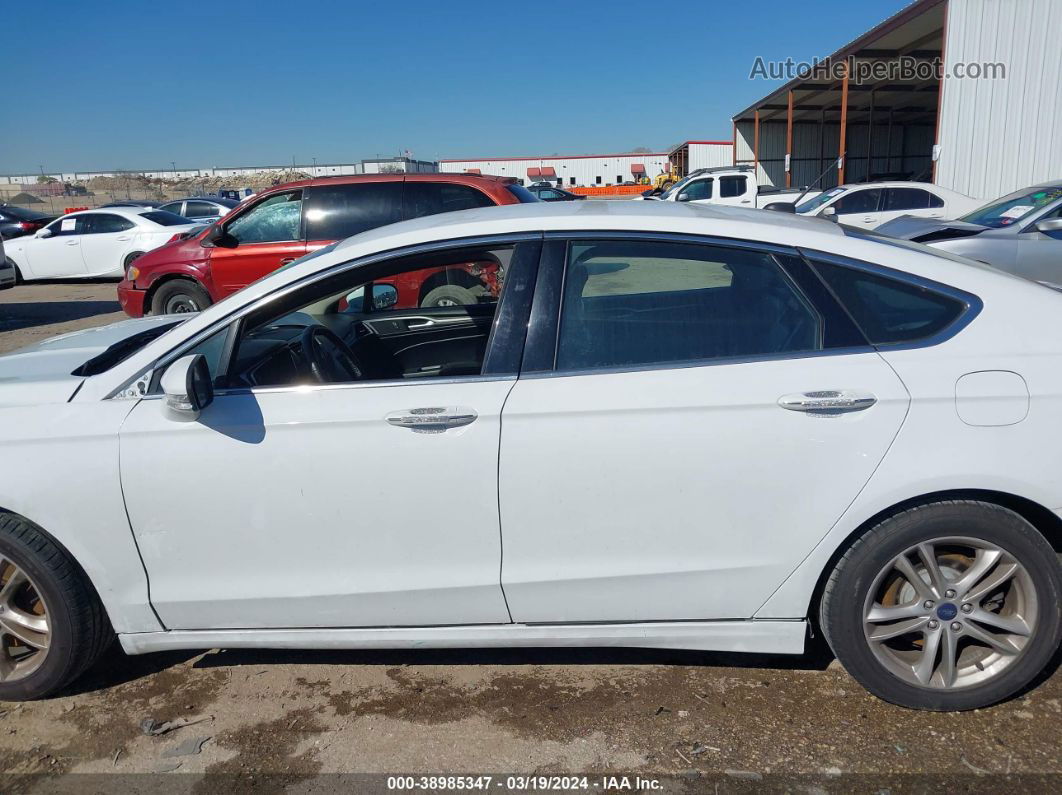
730, 187
334, 212
888, 310
177, 208
910, 199
200, 210
431, 198
103, 223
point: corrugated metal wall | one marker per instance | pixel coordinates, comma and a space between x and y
710, 155
903, 149
604, 170
1000, 135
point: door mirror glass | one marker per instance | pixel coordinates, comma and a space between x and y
188, 387
44, 233
384, 296
683, 197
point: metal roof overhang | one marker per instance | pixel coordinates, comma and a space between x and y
916, 31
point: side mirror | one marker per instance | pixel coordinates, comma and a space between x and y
830, 213
1049, 225
682, 197
188, 388
44, 233
217, 237
384, 296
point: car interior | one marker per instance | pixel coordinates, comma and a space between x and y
376, 330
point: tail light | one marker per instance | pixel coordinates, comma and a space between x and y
29, 226
177, 236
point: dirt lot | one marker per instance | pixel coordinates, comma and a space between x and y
276, 721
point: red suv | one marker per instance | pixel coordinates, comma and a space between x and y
281, 224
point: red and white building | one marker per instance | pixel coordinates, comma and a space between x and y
565, 170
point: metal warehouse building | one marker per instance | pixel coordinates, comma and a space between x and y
565, 170
691, 155
989, 121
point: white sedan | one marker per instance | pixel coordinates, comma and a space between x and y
94, 243
869, 205
689, 427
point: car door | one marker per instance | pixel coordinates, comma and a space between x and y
699, 190
360, 503
336, 211
662, 455
737, 190
268, 235
59, 255
859, 207
107, 239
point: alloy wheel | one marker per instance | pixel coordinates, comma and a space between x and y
181, 304
25, 629
950, 613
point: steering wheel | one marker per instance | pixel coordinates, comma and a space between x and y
331, 360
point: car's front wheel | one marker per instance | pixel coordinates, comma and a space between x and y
52, 625
947, 606
179, 296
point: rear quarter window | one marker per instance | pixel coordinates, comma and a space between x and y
890, 311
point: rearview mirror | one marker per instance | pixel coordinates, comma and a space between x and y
44, 233
384, 296
1049, 225
188, 387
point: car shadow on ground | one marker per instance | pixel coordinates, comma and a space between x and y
29, 314
816, 657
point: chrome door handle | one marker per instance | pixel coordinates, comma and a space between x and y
828, 401
432, 419
288, 260
425, 322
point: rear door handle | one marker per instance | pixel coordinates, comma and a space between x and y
288, 260
432, 419
123, 238
73, 242
828, 401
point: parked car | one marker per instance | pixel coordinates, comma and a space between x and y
548, 193
8, 276
132, 203
93, 243
201, 209
283, 223
1020, 233
869, 205
731, 185
18, 221
877, 460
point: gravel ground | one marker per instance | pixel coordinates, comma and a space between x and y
285, 721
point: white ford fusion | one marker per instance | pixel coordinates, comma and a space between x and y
94, 243
687, 427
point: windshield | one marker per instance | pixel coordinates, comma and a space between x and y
122, 350
1013, 207
166, 218
814, 204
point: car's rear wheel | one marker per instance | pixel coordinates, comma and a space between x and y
951, 605
52, 625
179, 296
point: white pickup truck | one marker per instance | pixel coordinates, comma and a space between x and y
735, 185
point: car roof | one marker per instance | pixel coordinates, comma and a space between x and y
124, 211
431, 176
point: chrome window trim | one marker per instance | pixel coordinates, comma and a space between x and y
310, 388
972, 303
237, 314
688, 364
673, 237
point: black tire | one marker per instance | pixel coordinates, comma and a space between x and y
179, 296
842, 607
80, 630
449, 295
129, 259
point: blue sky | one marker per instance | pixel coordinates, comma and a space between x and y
115, 84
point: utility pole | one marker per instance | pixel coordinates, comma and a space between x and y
315, 166
174, 164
